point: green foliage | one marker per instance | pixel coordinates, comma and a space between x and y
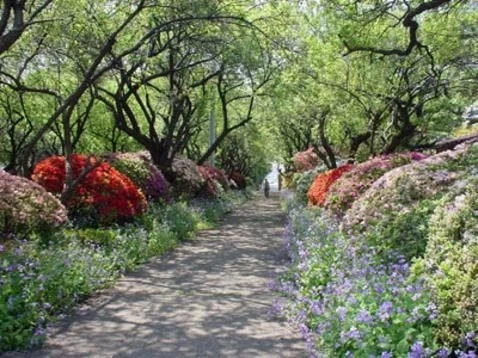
450, 264
181, 220
302, 183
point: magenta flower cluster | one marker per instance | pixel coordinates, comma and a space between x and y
356, 181
25, 204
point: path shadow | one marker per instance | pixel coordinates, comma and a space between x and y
208, 298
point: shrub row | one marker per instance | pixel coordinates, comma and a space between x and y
113, 188
398, 276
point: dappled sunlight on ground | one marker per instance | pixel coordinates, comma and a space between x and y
207, 298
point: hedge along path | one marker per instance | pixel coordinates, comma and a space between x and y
208, 298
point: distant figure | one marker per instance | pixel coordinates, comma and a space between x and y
279, 179
267, 188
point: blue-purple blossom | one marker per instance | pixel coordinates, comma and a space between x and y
385, 310
341, 312
417, 350
39, 331
365, 317
469, 354
443, 353
316, 308
470, 340
353, 333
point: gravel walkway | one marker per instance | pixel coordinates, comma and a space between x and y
207, 298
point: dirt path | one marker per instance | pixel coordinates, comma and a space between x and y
208, 298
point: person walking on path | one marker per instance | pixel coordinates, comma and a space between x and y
279, 178
267, 188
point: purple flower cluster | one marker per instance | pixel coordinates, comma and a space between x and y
157, 186
341, 296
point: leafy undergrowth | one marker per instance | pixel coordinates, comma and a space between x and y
48, 274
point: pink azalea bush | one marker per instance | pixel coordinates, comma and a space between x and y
215, 180
187, 179
238, 180
142, 171
357, 180
26, 205
394, 211
306, 160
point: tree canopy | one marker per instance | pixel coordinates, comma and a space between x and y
348, 78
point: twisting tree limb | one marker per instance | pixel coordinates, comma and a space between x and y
13, 23
409, 22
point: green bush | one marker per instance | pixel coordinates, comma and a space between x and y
180, 220
302, 183
450, 264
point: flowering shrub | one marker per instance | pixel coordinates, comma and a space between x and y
322, 183
104, 191
302, 183
238, 179
450, 264
212, 177
187, 179
25, 205
306, 160
356, 181
139, 168
346, 304
394, 212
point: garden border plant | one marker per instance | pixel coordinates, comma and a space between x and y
45, 276
353, 295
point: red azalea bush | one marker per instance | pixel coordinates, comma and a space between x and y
320, 187
306, 160
104, 190
212, 177
25, 205
238, 179
356, 181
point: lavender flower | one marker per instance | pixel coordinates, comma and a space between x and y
443, 353
417, 350
385, 310
470, 340
39, 331
364, 317
341, 312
